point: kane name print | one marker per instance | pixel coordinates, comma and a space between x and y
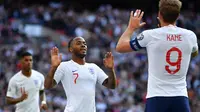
174, 37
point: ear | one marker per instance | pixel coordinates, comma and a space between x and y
70, 49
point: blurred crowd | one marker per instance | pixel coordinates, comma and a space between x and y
101, 29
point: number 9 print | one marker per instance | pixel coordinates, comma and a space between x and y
177, 63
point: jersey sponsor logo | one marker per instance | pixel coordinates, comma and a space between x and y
140, 36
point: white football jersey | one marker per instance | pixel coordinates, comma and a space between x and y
32, 86
169, 51
79, 83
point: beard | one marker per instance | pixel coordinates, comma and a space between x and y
80, 55
27, 69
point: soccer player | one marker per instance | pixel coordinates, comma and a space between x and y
78, 77
26, 86
169, 49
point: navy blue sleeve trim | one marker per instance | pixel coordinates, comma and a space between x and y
135, 45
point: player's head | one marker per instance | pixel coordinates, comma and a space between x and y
26, 60
78, 47
169, 10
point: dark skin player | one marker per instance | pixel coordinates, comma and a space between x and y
78, 48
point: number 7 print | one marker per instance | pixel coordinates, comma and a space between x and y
76, 74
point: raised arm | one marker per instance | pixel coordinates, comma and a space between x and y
110, 82
55, 62
49, 81
123, 44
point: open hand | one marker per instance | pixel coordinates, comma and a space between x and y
135, 19
55, 57
108, 60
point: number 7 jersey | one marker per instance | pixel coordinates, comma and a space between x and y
169, 51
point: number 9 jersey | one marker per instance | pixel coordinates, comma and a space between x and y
169, 50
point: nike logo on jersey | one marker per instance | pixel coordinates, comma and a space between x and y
74, 70
173, 37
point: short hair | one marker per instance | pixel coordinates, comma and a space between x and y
23, 54
170, 10
70, 43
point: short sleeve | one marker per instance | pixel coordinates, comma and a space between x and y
42, 84
194, 43
140, 41
101, 75
59, 73
11, 92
